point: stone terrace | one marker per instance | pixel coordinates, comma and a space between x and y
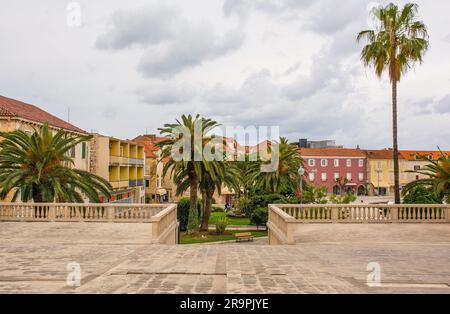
118, 258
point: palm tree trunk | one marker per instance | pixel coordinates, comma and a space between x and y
207, 210
395, 142
193, 210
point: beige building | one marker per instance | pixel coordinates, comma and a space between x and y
17, 115
122, 163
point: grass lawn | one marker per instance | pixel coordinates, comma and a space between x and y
233, 221
206, 237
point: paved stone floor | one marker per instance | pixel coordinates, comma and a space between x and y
117, 258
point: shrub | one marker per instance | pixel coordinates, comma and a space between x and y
217, 209
183, 212
421, 195
259, 216
245, 206
221, 225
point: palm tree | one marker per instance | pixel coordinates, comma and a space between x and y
438, 177
37, 167
187, 171
286, 174
398, 41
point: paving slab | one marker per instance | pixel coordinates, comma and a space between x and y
119, 258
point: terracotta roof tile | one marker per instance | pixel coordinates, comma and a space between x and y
411, 154
332, 152
381, 154
12, 108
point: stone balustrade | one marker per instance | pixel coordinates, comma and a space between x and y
163, 217
284, 218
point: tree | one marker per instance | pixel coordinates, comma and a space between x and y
186, 171
285, 175
438, 177
37, 167
342, 183
398, 41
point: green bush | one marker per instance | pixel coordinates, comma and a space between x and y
183, 212
421, 195
259, 216
245, 206
217, 209
221, 225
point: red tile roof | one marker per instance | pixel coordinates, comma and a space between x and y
381, 154
149, 142
411, 154
332, 152
12, 108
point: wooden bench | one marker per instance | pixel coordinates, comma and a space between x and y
244, 236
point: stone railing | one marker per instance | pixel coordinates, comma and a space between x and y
165, 226
163, 217
283, 218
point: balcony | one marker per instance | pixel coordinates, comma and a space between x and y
120, 184
136, 161
118, 160
133, 183
140, 182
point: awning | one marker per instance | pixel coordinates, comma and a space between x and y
351, 184
161, 191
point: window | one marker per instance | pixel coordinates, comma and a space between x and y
336, 176
324, 176
336, 162
72, 152
391, 164
379, 165
311, 162
361, 163
349, 176
312, 176
391, 177
83, 150
349, 162
324, 162
147, 183
416, 168
361, 176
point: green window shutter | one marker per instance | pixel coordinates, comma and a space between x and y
147, 183
83, 150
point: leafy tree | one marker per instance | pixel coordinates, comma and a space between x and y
37, 167
315, 195
398, 41
259, 216
438, 177
286, 173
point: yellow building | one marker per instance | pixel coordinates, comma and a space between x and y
122, 163
380, 170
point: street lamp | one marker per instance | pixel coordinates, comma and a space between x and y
301, 172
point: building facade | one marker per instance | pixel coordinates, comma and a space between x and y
17, 115
122, 163
380, 172
326, 166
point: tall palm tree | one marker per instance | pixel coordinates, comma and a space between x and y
286, 174
438, 177
187, 171
37, 167
398, 41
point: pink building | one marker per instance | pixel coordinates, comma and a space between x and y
325, 165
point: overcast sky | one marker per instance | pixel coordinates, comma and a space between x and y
134, 65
